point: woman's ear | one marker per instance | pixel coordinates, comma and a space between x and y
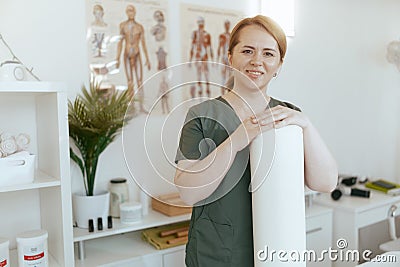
230, 58
279, 68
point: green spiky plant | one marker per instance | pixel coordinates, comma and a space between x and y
95, 119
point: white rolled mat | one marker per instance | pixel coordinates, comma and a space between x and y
278, 200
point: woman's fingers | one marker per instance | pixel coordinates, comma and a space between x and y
270, 115
280, 116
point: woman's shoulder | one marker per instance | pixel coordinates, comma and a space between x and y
208, 106
276, 102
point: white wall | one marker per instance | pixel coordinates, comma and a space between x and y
335, 70
48, 36
337, 73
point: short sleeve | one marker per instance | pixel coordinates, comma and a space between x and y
275, 102
290, 105
191, 136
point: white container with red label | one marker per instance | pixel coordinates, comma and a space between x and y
32, 249
4, 252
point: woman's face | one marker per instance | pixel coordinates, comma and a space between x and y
256, 56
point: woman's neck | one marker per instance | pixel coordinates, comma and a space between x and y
247, 103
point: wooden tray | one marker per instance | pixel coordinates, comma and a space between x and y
170, 205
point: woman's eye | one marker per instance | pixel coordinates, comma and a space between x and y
268, 54
247, 51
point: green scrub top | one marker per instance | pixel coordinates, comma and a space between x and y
220, 233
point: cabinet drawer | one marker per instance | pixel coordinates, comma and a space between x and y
319, 238
174, 259
144, 261
374, 215
318, 223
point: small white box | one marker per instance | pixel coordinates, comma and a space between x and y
17, 169
130, 212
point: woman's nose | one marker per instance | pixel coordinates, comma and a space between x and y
256, 59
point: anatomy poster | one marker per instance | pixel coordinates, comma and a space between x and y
127, 43
205, 37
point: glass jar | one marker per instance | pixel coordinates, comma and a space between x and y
118, 194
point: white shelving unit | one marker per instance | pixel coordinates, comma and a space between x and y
122, 244
39, 109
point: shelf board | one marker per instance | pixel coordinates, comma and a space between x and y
309, 192
31, 87
41, 180
14, 259
125, 248
153, 219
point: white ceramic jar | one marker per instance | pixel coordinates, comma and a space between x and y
119, 194
131, 212
32, 248
4, 252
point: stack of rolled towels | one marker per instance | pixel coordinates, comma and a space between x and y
11, 144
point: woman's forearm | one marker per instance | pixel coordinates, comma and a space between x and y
320, 167
198, 179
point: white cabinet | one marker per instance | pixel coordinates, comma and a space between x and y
40, 110
319, 233
174, 259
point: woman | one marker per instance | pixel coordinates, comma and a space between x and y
212, 163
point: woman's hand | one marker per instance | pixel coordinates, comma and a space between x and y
276, 117
283, 116
247, 131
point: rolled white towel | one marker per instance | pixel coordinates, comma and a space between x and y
22, 140
5, 136
8, 146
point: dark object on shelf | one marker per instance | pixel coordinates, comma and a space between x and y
349, 181
91, 225
99, 223
109, 222
336, 194
359, 193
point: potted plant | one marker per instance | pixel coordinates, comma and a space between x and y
95, 118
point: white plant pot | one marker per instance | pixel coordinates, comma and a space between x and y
90, 207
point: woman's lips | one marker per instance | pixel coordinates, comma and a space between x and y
254, 73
